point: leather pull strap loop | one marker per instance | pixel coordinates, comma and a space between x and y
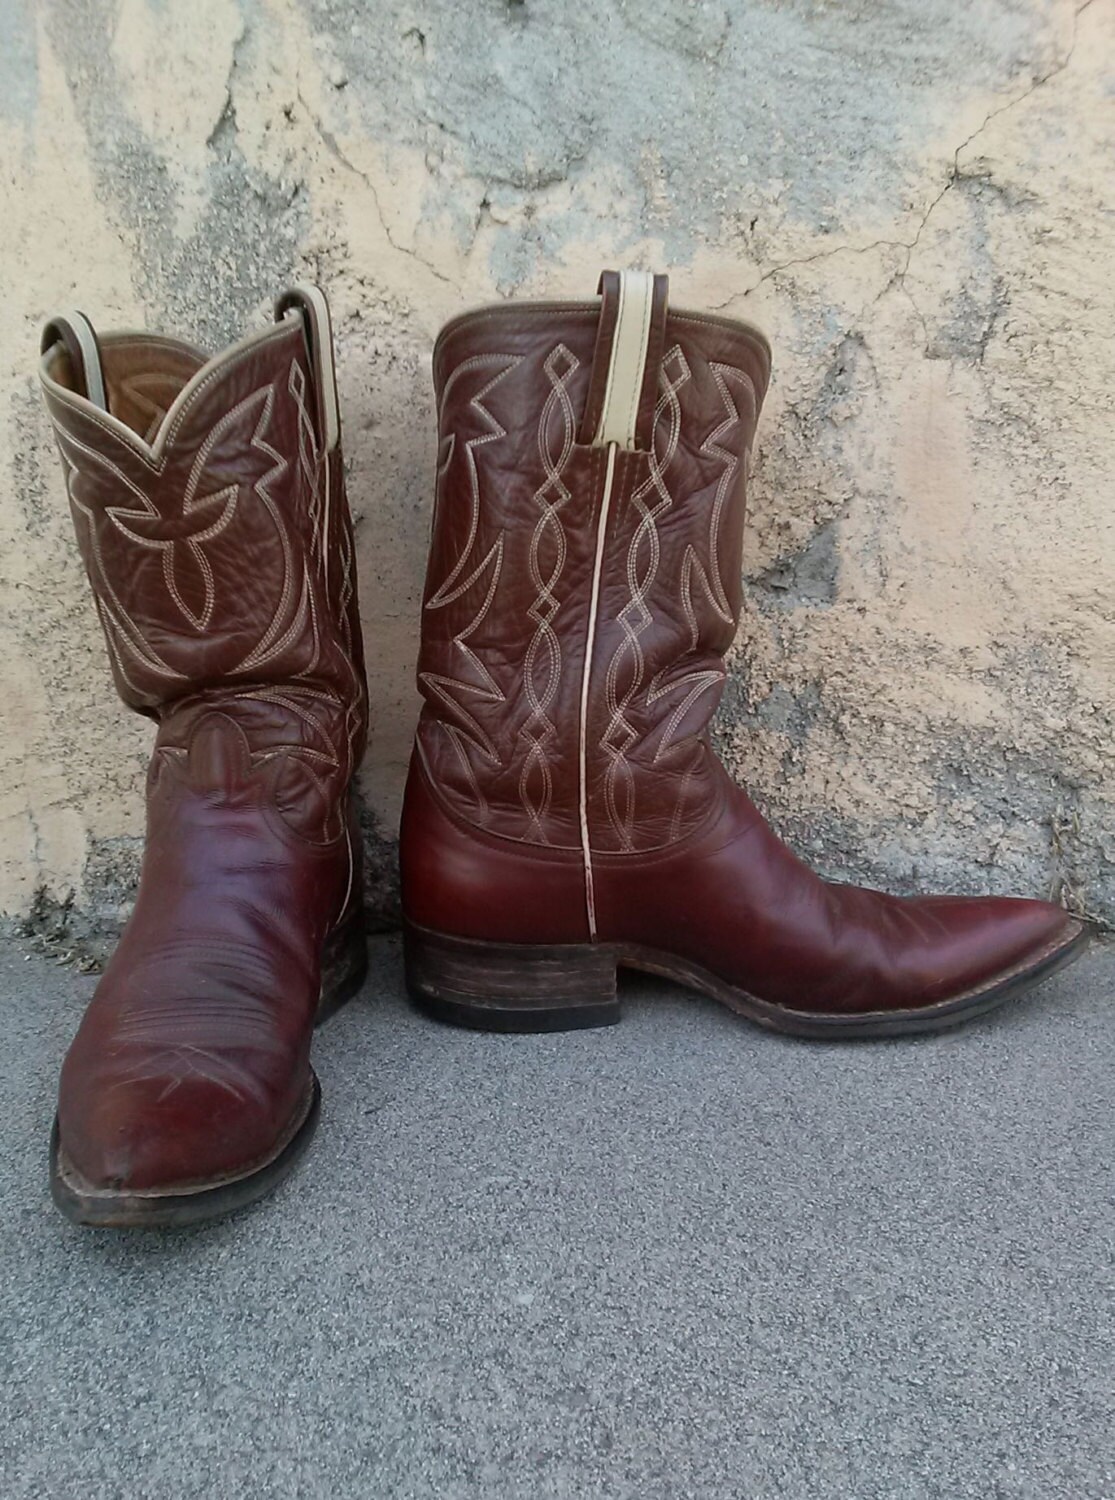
630, 341
74, 331
310, 302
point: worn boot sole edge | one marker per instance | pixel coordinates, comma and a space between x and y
536, 988
83, 1203
344, 965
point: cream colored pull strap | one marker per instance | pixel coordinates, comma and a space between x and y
75, 332
310, 302
628, 363
619, 415
629, 343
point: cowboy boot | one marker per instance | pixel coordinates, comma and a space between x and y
209, 504
565, 814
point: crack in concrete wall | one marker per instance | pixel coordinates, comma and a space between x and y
923, 690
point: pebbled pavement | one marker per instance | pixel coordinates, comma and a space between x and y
674, 1258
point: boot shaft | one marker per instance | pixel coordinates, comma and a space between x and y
584, 577
209, 506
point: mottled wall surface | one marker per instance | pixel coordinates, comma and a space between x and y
912, 197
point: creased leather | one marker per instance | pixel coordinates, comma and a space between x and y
230, 614
505, 612
681, 862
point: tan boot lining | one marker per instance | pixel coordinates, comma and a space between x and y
142, 374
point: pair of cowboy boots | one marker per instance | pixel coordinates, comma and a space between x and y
565, 814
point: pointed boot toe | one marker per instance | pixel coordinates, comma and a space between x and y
209, 503
566, 814
998, 946
174, 1147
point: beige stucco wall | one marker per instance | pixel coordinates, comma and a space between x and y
912, 200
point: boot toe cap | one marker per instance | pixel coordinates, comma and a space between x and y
167, 1130
986, 942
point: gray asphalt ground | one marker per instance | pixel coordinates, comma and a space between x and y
675, 1258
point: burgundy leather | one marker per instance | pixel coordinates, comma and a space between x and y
680, 860
511, 560
472, 884
218, 545
757, 917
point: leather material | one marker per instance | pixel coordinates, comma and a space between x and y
217, 539
511, 562
639, 399
736, 901
477, 885
675, 858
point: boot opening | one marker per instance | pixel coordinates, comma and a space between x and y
142, 376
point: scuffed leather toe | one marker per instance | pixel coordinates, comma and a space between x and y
212, 520
160, 1123
985, 941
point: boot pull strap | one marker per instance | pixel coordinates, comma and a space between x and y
630, 342
76, 334
309, 301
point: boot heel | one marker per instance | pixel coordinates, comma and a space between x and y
344, 964
510, 986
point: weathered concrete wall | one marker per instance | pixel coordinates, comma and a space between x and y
909, 195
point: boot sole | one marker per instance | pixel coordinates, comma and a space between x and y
531, 988
83, 1203
343, 968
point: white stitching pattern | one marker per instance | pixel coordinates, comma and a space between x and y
120, 628
309, 456
149, 527
165, 530
635, 617
155, 457
447, 593
444, 687
487, 690
544, 650
710, 579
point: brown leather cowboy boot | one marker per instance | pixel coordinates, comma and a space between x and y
565, 813
208, 498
